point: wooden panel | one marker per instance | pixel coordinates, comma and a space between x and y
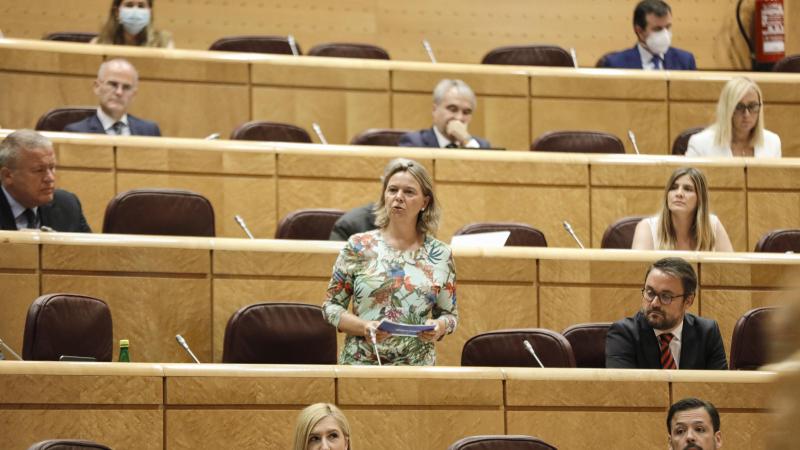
747, 430
149, 312
190, 109
322, 73
164, 67
340, 114
229, 390
612, 204
346, 166
748, 275
300, 193
196, 160
230, 428
251, 197
18, 255
90, 155
433, 429
473, 265
767, 211
592, 271
19, 291
584, 393
727, 306
611, 116
726, 173
125, 259
113, 427
483, 80
685, 115
772, 177
544, 208
82, 389
94, 189
728, 395
567, 429
571, 84
562, 306
22, 110
420, 391
276, 263
778, 118
57, 59
523, 171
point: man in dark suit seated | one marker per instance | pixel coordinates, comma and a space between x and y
29, 198
652, 23
662, 335
453, 105
115, 87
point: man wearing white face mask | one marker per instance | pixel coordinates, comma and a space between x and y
130, 23
652, 23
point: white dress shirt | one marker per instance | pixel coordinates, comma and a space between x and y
18, 211
444, 141
647, 58
108, 123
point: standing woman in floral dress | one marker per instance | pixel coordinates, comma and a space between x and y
398, 272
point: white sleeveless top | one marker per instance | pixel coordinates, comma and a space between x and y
655, 221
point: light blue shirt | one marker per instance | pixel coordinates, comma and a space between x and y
647, 58
18, 211
108, 123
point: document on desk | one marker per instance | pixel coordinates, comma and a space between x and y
493, 239
403, 329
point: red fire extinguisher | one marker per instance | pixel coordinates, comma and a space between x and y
767, 45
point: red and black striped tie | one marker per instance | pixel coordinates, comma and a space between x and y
667, 361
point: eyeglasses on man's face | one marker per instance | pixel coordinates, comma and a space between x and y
752, 108
664, 297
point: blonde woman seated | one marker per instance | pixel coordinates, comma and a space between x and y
322, 426
398, 272
130, 22
739, 129
684, 222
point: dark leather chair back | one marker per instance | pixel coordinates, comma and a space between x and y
501, 442
379, 136
270, 131
750, 342
522, 234
681, 143
58, 118
255, 44
790, 63
529, 55
588, 341
310, 224
620, 233
578, 142
67, 444
779, 241
279, 333
67, 324
349, 50
70, 36
504, 348
164, 212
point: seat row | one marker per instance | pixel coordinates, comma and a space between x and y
295, 333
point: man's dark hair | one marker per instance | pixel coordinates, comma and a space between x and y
658, 7
693, 403
679, 268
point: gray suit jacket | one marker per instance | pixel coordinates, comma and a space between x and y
92, 124
427, 138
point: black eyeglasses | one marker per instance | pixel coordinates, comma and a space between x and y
752, 108
663, 297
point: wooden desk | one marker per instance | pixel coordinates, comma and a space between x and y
193, 93
158, 287
183, 406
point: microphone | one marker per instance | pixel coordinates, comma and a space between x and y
212, 137
318, 131
374, 344
574, 56
429, 50
530, 350
293, 45
241, 223
571, 232
47, 229
10, 350
185, 346
632, 137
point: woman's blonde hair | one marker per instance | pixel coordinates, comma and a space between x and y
113, 32
427, 220
311, 416
701, 229
731, 95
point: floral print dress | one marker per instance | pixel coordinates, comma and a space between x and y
401, 286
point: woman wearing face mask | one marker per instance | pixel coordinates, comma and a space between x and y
739, 127
685, 222
130, 23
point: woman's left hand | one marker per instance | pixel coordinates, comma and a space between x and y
435, 334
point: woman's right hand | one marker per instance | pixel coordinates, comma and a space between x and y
371, 326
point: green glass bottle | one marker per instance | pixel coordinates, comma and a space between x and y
124, 356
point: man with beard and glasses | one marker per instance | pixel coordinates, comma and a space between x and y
693, 424
663, 335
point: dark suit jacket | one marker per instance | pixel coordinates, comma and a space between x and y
64, 213
357, 220
674, 59
92, 124
632, 344
427, 138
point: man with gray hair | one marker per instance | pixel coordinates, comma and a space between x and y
453, 105
29, 198
115, 87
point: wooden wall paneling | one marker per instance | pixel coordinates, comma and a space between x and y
22, 110
19, 276
62, 58
769, 211
88, 172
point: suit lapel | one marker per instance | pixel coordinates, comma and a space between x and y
689, 344
636, 61
650, 348
95, 126
7, 221
429, 138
